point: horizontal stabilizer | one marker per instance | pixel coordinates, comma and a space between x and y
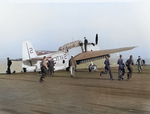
19, 59
35, 58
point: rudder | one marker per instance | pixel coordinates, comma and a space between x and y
28, 51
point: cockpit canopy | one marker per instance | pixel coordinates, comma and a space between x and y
70, 45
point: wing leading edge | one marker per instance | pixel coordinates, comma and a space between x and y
101, 53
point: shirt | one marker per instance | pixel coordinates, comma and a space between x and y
120, 62
139, 61
72, 62
91, 63
107, 62
129, 62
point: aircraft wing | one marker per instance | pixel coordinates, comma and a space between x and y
43, 52
95, 55
19, 59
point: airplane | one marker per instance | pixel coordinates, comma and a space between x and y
31, 59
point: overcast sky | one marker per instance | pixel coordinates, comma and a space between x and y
50, 24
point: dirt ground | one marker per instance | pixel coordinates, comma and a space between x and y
86, 93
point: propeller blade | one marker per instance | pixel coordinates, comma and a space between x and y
96, 39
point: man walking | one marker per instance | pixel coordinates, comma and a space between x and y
51, 66
129, 64
44, 69
72, 66
139, 64
121, 70
107, 68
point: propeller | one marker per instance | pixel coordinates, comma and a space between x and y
96, 39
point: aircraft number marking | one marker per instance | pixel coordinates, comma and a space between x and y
31, 50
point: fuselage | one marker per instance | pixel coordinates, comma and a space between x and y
61, 57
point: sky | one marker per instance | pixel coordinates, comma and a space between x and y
49, 24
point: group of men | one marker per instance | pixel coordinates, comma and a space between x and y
49, 67
121, 70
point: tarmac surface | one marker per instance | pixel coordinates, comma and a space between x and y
86, 93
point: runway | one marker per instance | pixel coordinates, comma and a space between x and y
86, 93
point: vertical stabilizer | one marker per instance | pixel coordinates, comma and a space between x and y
28, 51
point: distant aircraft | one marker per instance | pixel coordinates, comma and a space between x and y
31, 59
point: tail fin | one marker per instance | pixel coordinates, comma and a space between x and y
28, 51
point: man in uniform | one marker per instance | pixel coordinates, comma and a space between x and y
44, 68
129, 64
85, 44
139, 64
121, 70
51, 66
72, 63
107, 68
8, 64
